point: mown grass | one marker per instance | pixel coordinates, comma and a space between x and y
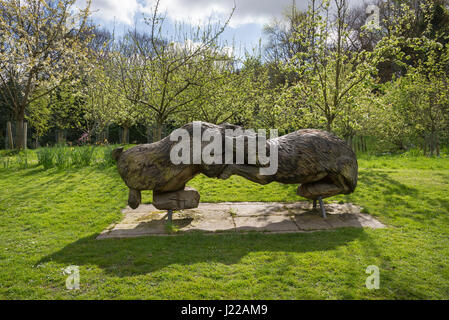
49, 220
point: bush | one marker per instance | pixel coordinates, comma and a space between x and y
413, 153
5, 162
445, 151
65, 157
45, 157
61, 157
82, 156
108, 160
22, 159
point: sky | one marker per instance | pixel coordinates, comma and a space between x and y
244, 31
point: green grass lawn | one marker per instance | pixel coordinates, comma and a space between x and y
49, 220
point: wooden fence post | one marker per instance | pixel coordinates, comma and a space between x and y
25, 135
10, 138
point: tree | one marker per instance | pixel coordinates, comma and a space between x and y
42, 44
421, 93
421, 98
105, 100
39, 117
279, 47
329, 72
100, 101
260, 95
224, 99
159, 72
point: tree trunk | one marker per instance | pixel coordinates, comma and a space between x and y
36, 142
148, 134
431, 146
60, 137
424, 146
365, 149
10, 137
103, 136
437, 145
19, 133
125, 135
157, 131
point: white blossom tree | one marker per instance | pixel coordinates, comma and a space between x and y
43, 43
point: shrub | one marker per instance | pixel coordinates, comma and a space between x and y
45, 157
64, 157
61, 157
82, 156
108, 160
22, 159
413, 153
5, 162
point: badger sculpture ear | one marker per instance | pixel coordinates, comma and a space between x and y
116, 153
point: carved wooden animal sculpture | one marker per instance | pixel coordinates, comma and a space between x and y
321, 163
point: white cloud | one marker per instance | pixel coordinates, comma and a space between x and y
108, 10
199, 11
195, 11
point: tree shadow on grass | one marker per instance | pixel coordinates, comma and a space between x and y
386, 183
134, 256
63, 180
378, 193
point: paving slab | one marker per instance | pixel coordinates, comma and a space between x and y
143, 208
209, 218
247, 209
146, 220
308, 222
270, 223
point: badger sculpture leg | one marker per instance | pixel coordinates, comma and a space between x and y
323, 188
134, 198
323, 210
318, 189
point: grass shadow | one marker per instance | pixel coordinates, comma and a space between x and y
131, 256
383, 181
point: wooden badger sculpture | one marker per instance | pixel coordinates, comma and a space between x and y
321, 163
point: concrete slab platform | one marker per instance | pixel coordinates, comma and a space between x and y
274, 217
247, 209
209, 218
270, 223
